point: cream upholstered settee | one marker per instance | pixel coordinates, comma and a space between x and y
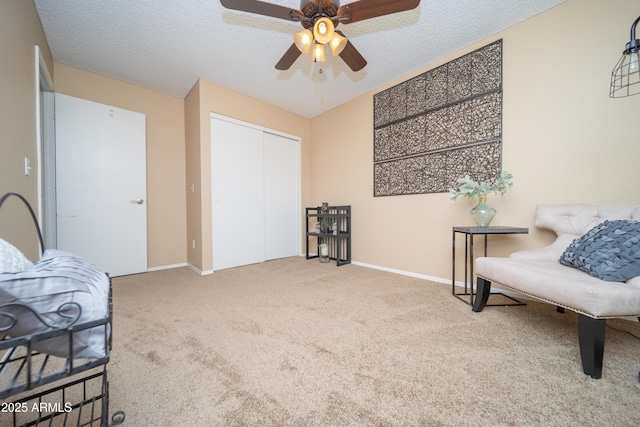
538, 273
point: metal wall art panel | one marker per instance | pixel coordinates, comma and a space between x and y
441, 125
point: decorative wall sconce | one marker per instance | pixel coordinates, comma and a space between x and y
625, 77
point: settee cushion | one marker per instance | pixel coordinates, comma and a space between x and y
609, 251
568, 287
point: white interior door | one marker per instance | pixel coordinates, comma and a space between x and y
281, 189
237, 195
101, 184
45, 133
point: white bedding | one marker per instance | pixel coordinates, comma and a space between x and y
48, 285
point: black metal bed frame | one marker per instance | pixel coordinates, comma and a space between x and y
82, 400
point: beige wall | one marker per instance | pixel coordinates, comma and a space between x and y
20, 31
565, 141
165, 130
193, 175
213, 98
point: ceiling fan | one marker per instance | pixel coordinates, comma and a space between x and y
319, 19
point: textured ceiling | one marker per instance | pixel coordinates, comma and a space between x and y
166, 45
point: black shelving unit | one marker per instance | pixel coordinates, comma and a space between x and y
338, 238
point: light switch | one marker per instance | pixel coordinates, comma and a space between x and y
27, 166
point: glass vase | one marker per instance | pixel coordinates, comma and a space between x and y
323, 252
482, 213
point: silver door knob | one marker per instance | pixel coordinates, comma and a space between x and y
138, 201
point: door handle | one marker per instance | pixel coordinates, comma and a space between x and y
138, 201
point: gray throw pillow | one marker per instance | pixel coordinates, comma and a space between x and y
610, 251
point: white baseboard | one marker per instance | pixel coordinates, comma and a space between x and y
182, 264
167, 267
433, 278
200, 272
403, 272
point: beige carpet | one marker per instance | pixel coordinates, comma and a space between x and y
300, 343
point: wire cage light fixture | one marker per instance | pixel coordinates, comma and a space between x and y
625, 77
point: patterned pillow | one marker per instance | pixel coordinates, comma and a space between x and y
610, 251
11, 259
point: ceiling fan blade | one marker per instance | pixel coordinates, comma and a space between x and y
263, 8
352, 57
366, 9
288, 58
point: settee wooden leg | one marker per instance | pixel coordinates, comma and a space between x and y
591, 334
483, 289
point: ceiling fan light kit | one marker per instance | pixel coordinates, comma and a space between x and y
337, 44
323, 16
323, 33
323, 30
317, 53
303, 40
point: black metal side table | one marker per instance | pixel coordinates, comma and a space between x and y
469, 232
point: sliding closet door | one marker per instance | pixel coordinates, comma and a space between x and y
237, 194
281, 191
255, 184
